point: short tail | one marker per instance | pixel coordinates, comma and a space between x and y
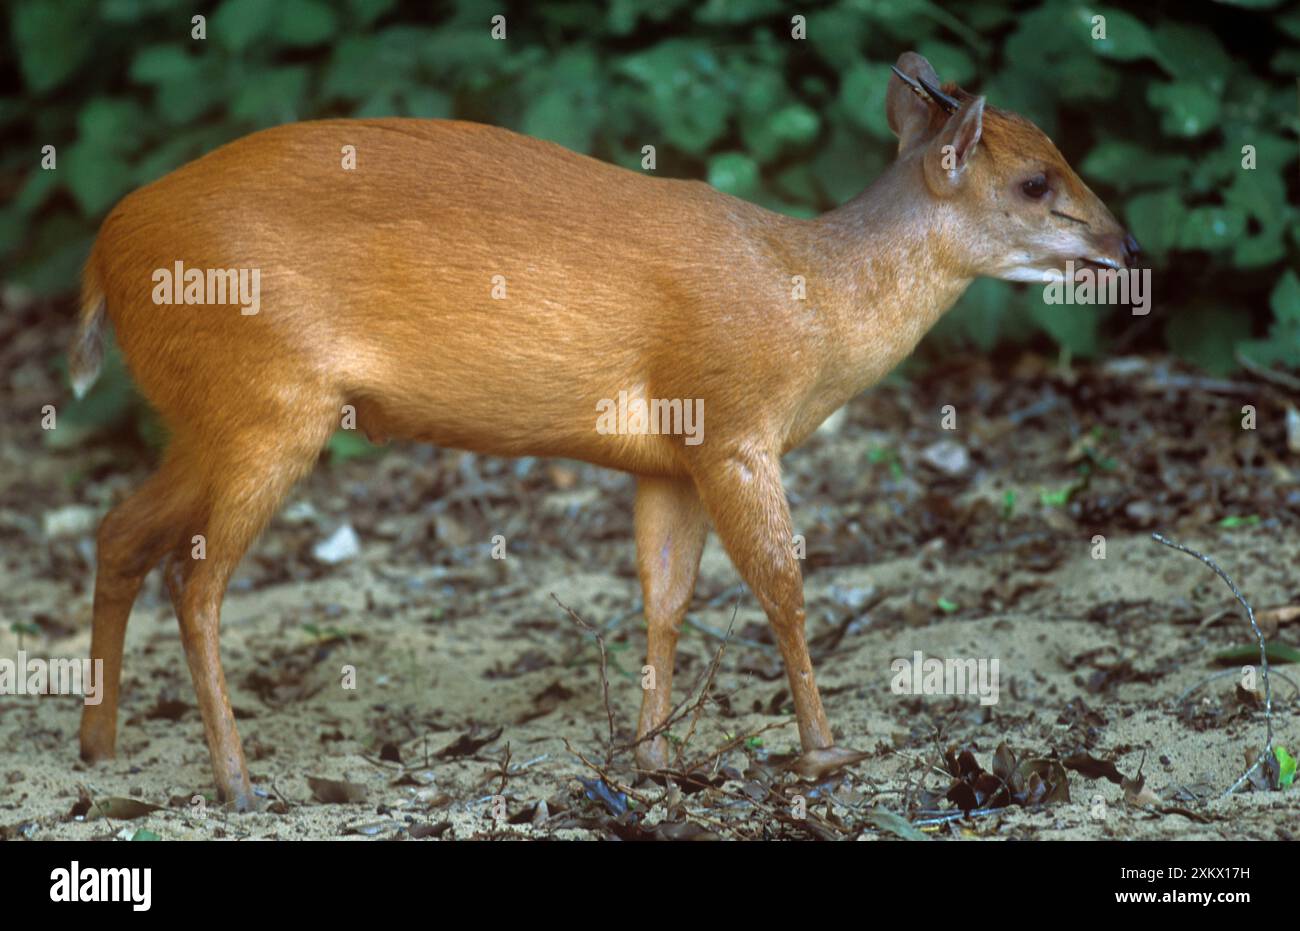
86, 354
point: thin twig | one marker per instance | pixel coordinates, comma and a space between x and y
1281, 379
704, 692
609, 780
707, 762
1263, 653
686, 706
604, 671
505, 770
1231, 672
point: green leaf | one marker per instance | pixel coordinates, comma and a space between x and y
1233, 521
184, 100
681, 78
111, 125
767, 133
1211, 228
1192, 53
1187, 109
798, 182
1127, 37
157, 64
1155, 219
736, 11
1285, 299
845, 165
351, 75
350, 444
1286, 766
1276, 652
275, 97
427, 104
96, 176
1072, 327
237, 24
862, 96
560, 117
950, 62
366, 12
52, 40
1263, 248
988, 312
304, 22
795, 124
1259, 193
1125, 165
836, 35
50, 263
145, 834
1206, 336
734, 173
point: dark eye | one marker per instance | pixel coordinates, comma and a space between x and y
1035, 187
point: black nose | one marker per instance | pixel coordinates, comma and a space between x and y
1131, 249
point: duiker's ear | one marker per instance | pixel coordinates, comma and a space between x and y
909, 115
951, 150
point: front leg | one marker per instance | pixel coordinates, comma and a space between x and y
742, 493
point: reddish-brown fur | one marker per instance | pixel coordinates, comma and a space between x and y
376, 292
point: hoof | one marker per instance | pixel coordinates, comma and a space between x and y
95, 750
239, 797
818, 764
245, 802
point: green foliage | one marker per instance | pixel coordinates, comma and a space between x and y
349, 444
1155, 115
1286, 766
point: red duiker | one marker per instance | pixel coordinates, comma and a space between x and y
478, 289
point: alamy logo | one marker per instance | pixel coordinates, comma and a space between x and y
181, 285
1100, 286
103, 884
952, 676
633, 414
35, 676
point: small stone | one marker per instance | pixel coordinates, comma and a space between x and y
855, 599
1142, 513
340, 546
73, 520
946, 456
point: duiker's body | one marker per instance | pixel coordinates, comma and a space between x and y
478, 289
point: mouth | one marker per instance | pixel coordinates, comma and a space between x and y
1095, 265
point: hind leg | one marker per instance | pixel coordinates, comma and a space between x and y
248, 477
132, 538
671, 527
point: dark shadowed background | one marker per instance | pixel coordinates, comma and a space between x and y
1154, 117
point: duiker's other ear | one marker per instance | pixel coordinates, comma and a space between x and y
951, 150
909, 115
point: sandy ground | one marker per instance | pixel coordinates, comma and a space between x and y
471, 682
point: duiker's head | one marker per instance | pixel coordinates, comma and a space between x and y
1016, 209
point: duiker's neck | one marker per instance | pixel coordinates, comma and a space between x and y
885, 272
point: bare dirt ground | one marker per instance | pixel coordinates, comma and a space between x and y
472, 682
